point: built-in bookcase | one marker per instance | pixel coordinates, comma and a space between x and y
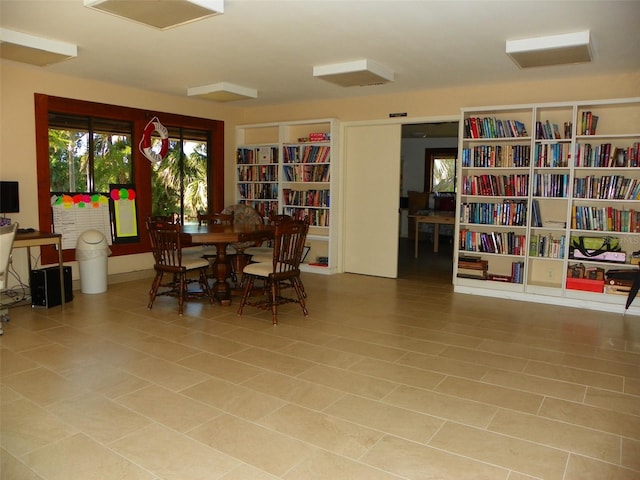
530, 177
292, 168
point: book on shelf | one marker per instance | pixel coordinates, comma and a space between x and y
589, 123
536, 219
472, 273
500, 278
617, 289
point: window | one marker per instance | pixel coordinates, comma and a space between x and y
179, 181
440, 170
86, 154
85, 146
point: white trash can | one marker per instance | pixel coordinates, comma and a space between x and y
92, 251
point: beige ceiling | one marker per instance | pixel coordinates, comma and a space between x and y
272, 46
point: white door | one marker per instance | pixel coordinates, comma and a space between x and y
372, 199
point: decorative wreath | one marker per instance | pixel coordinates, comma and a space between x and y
154, 125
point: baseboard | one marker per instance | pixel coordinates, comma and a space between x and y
122, 277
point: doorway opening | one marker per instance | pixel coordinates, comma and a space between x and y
427, 184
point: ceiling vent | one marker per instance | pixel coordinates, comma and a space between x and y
356, 73
25, 48
162, 14
564, 49
223, 92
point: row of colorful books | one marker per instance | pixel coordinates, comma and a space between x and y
552, 155
607, 155
496, 156
555, 185
492, 127
258, 173
589, 123
508, 243
509, 212
514, 185
265, 191
609, 187
306, 154
306, 173
545, 245
306, 198
259, 155
547, 130
605, 219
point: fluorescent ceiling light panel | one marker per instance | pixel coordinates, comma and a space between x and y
223, 92
25, 48
160, 14
561, 49
356, 73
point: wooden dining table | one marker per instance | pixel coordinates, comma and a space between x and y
221, 236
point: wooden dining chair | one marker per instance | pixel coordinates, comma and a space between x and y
264, 252
243, 215
284, 268
166, 246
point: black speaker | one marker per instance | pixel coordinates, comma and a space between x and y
45, 287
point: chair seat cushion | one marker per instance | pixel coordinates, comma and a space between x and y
262, 269
191, 262
195, 250
262, 258
259, 251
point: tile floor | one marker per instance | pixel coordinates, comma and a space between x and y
386, 379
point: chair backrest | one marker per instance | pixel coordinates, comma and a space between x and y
166, 244
288, 248
244, 214
216, 218
171, 218
279, 218
7, 234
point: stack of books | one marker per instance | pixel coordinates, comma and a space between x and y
472, 267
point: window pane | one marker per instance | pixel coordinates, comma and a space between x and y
444, 171
174, 180
73, 167
68, 160
111, 160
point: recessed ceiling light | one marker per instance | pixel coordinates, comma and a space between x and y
563, 49
25, 48
223, 92
160, 14
357, 73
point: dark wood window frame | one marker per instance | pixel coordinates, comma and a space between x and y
141, 166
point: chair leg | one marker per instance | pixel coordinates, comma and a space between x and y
248, 286
153, 292
275, 293
204, 284
182, 290
299, 288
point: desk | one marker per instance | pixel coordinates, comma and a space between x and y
37, 239
221, 236
437, 219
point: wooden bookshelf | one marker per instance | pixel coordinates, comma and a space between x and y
298, 177
530, 177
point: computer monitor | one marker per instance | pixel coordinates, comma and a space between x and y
9, 197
